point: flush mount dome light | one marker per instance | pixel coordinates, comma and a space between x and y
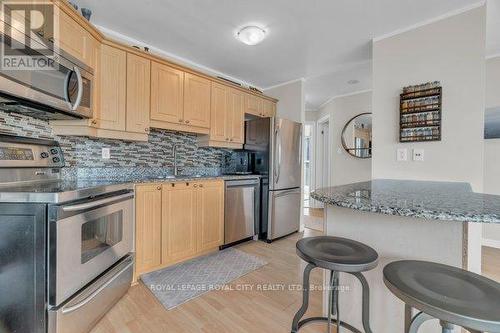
251, 35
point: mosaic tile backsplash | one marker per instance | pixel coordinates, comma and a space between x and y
83, 155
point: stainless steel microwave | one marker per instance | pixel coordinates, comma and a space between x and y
63, 91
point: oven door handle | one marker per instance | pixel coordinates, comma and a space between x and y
95, 293
88, 205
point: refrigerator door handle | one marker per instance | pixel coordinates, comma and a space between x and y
277, 165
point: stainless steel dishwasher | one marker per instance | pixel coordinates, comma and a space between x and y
241, 210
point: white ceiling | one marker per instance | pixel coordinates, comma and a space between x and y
327, 42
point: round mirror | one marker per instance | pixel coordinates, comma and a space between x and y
357, 136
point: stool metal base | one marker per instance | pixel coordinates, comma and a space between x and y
333, 303
413, 325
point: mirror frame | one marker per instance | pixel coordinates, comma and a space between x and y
344, 145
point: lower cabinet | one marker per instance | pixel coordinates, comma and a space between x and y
177, 221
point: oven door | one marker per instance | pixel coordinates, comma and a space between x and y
85, 239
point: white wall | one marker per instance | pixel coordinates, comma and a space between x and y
345, 168
452, 51
492, 147
291, 103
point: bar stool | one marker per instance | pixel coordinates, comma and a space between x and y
452, 295
336, 255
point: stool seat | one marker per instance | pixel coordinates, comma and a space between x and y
447, 293
337, 254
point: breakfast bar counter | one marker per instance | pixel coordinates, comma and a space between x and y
402, 219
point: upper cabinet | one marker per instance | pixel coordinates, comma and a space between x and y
227, 118
196, 101
167, 94
111, 113
134, 91
179, 100
138, 93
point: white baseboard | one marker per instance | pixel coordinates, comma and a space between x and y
491, 243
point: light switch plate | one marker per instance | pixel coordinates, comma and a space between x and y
402, 154
418, 155
106, 153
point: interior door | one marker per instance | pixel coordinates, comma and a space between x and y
286, 154
167, 93
284, 212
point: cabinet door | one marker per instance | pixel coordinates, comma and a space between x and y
219, 113
178, 222
236, 116
72, 37
196, 101
210, 210
138, 93
148, 206
167, 93
253, 105
113, 69
268, 108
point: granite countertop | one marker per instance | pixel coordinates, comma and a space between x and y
420, 199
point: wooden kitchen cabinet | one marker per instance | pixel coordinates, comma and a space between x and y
268, 108
210, 208
148, 212
196, 100
113, 92
138, 93
167, 94
219, 113
236, 116
178, 222
227, 118
253, 105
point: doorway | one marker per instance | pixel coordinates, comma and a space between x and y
323, 169
309, 161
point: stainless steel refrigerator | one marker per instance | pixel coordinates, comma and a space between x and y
275, 149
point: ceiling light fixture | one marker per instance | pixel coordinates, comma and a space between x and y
353, 81
251, 35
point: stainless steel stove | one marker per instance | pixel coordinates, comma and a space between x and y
69, 243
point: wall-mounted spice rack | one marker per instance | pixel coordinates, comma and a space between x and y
420, 113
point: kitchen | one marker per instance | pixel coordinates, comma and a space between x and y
143, 192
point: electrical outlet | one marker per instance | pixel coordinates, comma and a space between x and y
402, 154
418, 155
106, 153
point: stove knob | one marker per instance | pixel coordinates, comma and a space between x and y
56, 159
54, 151
44, 154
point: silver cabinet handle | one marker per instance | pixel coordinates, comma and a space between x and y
95, 293
92, 204
80, 89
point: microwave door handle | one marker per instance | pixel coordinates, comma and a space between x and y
80, 89
95, 293
88, 205
66, 89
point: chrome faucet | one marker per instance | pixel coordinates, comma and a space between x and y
174, 150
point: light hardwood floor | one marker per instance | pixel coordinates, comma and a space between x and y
227, 311
239, 311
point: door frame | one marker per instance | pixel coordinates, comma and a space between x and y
312, 161
321, 150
